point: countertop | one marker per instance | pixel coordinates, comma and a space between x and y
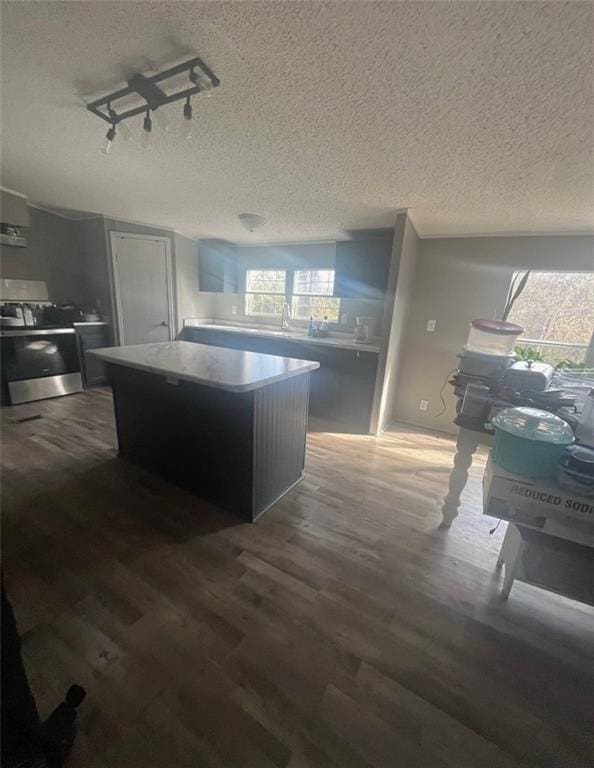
342, 341
231, 369
90, 322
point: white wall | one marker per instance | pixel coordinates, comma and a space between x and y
458, 279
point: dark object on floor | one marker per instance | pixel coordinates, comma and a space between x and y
29, 418
22, 741
26, 741
59, 729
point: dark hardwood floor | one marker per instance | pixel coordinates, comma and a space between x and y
344, 628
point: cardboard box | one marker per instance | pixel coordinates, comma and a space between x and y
534, 502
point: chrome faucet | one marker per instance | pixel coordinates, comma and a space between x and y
285, 317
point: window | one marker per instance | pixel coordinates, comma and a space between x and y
556, 310
312, 295
265, 292
267, 289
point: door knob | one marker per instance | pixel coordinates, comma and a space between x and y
165, 323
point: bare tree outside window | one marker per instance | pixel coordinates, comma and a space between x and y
556, 310
265, 292
312, 295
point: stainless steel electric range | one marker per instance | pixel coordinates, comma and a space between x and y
39, 362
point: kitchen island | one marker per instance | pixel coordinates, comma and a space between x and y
226, 424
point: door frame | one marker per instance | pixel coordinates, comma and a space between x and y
116, 279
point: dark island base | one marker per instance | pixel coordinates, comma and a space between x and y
239, 451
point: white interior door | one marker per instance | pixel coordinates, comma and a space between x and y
142, 277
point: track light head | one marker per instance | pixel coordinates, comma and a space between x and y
187, 121
109, 137
146, 139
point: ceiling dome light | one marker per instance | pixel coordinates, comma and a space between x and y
251, 221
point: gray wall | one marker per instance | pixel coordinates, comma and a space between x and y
73, 259
289, 256
51, 256
92, 245
404, 265
190, 302
456, 280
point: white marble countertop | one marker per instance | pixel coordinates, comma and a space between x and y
231, 369
342, 341
90, 322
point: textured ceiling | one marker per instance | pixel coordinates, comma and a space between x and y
476, 116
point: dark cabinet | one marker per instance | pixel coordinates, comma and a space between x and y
341, 389
92, 337
362, 268
218, 267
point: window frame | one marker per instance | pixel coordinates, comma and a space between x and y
248, 293
289, 294
544, 346
296, 294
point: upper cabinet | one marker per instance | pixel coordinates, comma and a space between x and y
362, 268
218, 267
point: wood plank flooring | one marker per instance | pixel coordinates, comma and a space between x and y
344, 628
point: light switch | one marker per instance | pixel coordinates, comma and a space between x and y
233, 310
431, 325
344, 318
423, 405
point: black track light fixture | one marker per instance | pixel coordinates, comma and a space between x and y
114, 107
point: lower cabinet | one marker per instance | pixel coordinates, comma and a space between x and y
92, 337
341, 389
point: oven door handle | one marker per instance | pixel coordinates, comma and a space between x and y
36, 332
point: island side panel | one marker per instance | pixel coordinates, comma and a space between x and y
280, 430
198, 437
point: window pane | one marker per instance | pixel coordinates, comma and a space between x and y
265, 280
319, 282
556, 307
317, 307
263, 304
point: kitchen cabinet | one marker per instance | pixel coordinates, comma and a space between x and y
341, 390
92, 337
362, 268
218, 267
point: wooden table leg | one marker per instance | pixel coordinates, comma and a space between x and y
466, 445
509, 555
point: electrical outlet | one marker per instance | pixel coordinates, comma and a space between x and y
344, 319
233, 310
431, 325
423, 405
